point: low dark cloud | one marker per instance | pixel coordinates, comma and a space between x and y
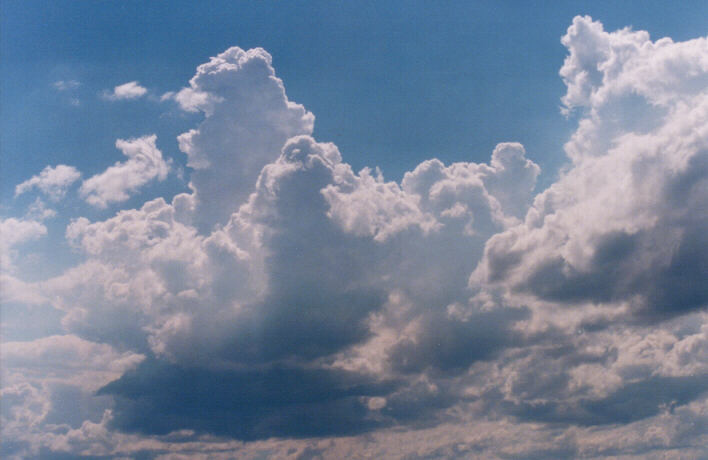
632, 402
450, 346
244, 404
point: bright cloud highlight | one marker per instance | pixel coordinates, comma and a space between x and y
119, 181
52, 181
130, 90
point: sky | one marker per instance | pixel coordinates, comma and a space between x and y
353, 230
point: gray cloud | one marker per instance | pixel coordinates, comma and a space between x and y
249, 404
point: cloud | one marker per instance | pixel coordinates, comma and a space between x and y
247, 119
119, 181
250, 404
309, 309
130, 90
66, 85
52, 181
68, 359
49, 389
16, 232
624, 222
39, 211
284, 282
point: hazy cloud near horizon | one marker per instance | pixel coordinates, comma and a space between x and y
290, 306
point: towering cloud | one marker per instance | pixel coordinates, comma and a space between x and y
247, 118
293, 303
625, 225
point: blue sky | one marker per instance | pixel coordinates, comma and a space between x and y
495, 225
391, 84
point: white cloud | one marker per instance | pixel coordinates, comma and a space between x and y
16, 290
119, 181
67, 359
15, 232
130, 90
453, 306
248, 118
39, 211
624, 223
53, 181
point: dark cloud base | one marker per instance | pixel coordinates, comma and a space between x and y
633, 402
244, 404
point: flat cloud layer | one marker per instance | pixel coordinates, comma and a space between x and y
308, 309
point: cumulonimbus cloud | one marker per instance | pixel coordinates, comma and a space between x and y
288, 296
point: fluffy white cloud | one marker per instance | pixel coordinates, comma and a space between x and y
247, 120
15, 232
130, 90
482, 197
53, 181
118, 182
625, 223
451, 314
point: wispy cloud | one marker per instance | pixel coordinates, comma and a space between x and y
66, 85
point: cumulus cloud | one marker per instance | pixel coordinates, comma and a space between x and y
451, 314
68, 359
625, 222
145, 163
52, 181
247, 119
15, 232
287, 282
48, 393
130, 90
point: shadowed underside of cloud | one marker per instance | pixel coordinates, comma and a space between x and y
626, 222
675, 287
288, 296
247, 404
632, 402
